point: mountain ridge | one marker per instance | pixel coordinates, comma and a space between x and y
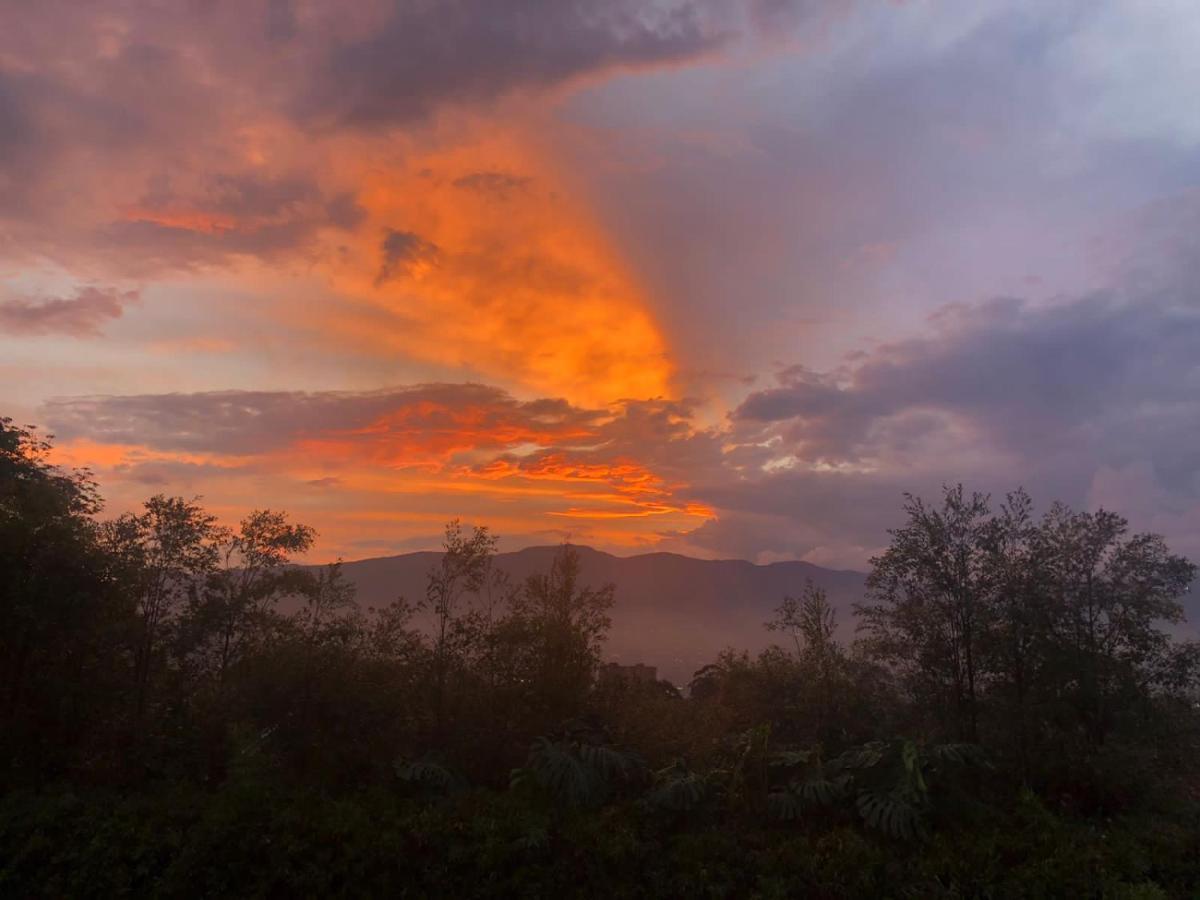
672, 611
550, 548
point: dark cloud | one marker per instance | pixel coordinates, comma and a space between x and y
328, 481
873, 180
402, 250
98, 103
1075, 400
174, 473
249, 422
126, 169
80, 315
167, 96
497, 184
1100, 377
1092, 400
227, 215
244, 195
430, 53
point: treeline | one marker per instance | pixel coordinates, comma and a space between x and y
186, 711
160, 644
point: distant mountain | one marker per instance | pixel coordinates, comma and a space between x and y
672, 611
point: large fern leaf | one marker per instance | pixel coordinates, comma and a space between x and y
800, 797
612, 764
890, 814
679, 790
789, 759
427, 776
557, 769
864, 757
823, 791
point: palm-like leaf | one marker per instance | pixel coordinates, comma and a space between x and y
612, 764
428, 776
865, 757
562, 773
891, 814
577, 774
786, 805
823, 791
801, 796
679, 790
789, 759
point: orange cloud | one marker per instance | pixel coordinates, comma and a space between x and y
84, 453
628, 478
183, 219
480, 258
405, 458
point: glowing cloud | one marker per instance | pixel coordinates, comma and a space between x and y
480, 259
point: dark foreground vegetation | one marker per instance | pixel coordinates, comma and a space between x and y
185, 713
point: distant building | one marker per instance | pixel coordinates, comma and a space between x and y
637, 673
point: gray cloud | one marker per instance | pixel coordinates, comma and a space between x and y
168, 96
1088, 401
1107, 379
429, 53
232, 214
249, 422
401, 251
919, 156
173, 474
327, 482
497, 184
80, 315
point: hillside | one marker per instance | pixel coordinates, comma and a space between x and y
672, 611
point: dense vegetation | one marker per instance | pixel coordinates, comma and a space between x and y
183, 712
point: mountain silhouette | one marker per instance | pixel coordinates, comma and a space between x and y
674, 612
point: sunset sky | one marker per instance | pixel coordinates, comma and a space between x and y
721, 278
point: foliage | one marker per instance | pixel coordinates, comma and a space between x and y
886, 782
186, 712
678, 789
574, 772
63, 619
1045, 635
428, 777
251, 840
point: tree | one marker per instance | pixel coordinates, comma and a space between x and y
930, 595
61, 621
810, 621
164, 553
564, 625
330, 612
463, 569
239, 594
1053, 627
46, 532
1107, 594
1016, 645
301, 686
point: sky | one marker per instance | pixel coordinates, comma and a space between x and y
719, 278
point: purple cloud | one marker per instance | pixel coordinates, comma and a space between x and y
80, 315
